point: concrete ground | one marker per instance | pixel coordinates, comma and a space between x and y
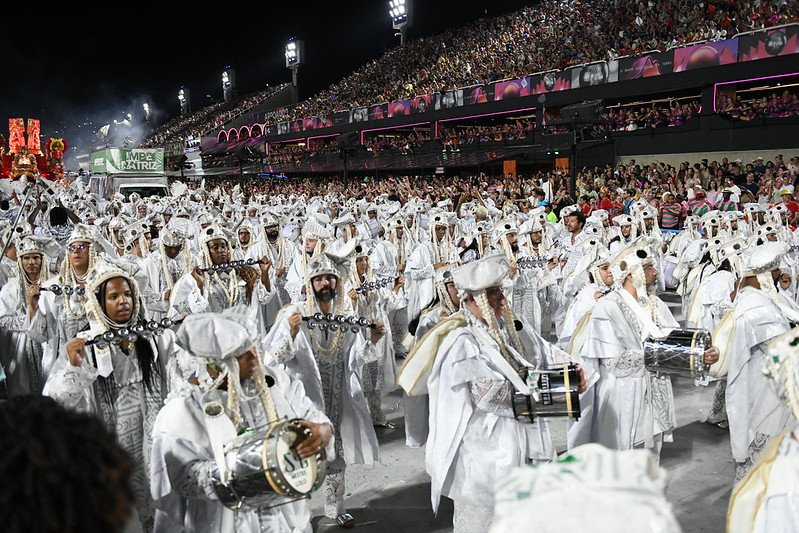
394, 496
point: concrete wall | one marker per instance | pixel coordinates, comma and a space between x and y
746, 156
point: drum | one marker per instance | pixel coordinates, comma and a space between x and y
264, 469
669, 265
557, 392
680, 353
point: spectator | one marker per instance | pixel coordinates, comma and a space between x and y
699, 205
727, 203
670, 212
790, 204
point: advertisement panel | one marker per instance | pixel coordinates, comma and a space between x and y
315, 123
399, 108
423, 103
449, 99
340, 117
378, 112
646, 66
128, 160
359, 114
505, 90
283, 128
595, 74
550, 82
768, 43
475, 95
706, 55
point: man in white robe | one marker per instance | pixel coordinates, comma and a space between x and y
474, 437
329, 362
186, 480
754, 411
632, 407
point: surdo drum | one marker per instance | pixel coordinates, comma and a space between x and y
680, 353
554, 394
264, 469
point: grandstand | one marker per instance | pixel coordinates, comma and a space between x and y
457, 98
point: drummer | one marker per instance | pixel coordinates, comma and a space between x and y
187, 443
633, 408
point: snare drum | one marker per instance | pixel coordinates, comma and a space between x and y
264, 469
557, 390
680, 353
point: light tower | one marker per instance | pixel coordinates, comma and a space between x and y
184, 97
295, 56
229, 83
401, 13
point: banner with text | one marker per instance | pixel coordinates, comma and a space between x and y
128, 160
646, 66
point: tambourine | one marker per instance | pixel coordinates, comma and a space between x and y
145, 328
333, 322
230, 265
374, 285
69, 290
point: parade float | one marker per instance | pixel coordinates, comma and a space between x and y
24, 155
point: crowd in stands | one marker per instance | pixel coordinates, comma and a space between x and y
552, 34
655, 115
691, 188
404, 143
453, 137
284, 153
775, 105
206, 119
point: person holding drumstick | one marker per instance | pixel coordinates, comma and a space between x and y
225, 370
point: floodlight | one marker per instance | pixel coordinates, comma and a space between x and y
401, 13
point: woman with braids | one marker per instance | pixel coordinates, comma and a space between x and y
225, 370
62, 471
474, 437
123, 383
21, 356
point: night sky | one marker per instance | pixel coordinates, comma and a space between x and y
78, 66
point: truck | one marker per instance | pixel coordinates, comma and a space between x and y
128, 170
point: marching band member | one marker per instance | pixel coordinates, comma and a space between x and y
632, 407
225, 369
124, 384
20, 355
329, 362
474, 437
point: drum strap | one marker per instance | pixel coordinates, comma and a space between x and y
648, 326
220, 430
